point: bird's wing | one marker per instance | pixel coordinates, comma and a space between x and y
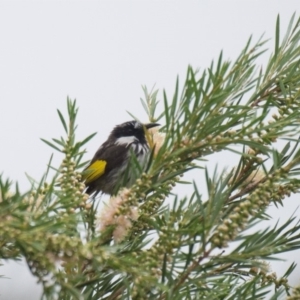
94, 171
108, 157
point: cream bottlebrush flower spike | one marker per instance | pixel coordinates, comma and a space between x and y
155, 139
110, 216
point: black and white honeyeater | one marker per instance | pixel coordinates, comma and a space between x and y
110, 162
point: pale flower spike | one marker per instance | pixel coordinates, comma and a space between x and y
110, 216
155, 139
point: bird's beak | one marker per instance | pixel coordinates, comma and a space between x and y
151, 125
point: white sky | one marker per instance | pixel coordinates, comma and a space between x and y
101, 52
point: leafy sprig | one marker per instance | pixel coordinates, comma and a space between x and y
175, 249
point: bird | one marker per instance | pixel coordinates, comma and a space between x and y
111, 163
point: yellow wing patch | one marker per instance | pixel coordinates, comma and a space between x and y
94, 171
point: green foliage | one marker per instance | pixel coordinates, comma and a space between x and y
150, 249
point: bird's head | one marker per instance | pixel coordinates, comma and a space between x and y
130, 132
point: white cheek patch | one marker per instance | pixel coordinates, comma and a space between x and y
126, 140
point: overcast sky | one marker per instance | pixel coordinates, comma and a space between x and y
101, 52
